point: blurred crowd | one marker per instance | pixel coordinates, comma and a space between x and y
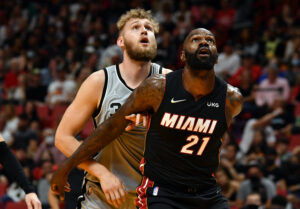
48, 48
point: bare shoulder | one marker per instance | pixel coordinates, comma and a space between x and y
91, 89
234, 100
166, 71
97, 77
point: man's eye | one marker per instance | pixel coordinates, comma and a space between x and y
149, 28
195, 40
210, 40
135, 27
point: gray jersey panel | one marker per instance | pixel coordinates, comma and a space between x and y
124, 154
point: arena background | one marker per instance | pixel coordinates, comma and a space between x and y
47, 49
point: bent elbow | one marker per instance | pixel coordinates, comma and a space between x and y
58, 141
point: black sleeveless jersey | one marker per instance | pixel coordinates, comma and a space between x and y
184, 139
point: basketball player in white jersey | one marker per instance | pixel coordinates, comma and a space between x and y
114, 174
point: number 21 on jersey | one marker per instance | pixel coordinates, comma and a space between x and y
193, 140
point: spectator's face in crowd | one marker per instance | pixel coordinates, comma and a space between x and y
137, 39
253, 199
254, 174
230, 152
23, 124
47, 167
246, 77
221, 178
281, 148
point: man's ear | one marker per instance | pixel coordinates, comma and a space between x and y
182, 57
120, 41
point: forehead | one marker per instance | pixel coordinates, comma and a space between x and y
200, 32
133, 21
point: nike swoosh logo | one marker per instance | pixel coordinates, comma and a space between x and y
173, 101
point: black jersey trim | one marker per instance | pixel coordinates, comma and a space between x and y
121, 79
160, 70
102, 97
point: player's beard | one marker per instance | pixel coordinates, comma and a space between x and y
198, 63
141, 54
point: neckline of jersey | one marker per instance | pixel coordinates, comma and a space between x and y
124, 82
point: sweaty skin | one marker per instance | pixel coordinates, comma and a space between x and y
146, 99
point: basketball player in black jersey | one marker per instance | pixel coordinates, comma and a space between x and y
191, 110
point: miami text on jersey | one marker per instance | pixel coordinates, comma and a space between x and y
188, 123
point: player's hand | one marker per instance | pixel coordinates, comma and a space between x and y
136, 119
32, 201
59, 184
113, 189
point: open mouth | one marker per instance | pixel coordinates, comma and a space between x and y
144, 40
204, 51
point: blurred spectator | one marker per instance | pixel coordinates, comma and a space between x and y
112, 55
225, 15
259, 130
11, 80
61, 90
293, 44
35, 90
47, 150
271, 170
271, 40
253, 201
256, 183
282, 150
293, 71
292, 168
246, 87
43, 184
11, 124
228, 185
166, 51
183, 13
273, 88
228, 61
286, 19
244, 15
24, 137
31, 112
230, 161
247, 43
278, 202
248, 64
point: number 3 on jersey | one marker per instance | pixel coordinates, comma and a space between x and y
193, 140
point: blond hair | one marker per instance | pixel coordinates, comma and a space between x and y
140, 14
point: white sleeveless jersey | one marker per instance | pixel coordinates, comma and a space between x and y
123, 155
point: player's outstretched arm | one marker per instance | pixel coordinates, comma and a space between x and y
234, 103
145, 99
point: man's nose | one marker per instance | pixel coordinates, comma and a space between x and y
144, 31
202, 43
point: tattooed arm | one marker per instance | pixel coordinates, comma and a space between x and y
146, 98
234, 103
